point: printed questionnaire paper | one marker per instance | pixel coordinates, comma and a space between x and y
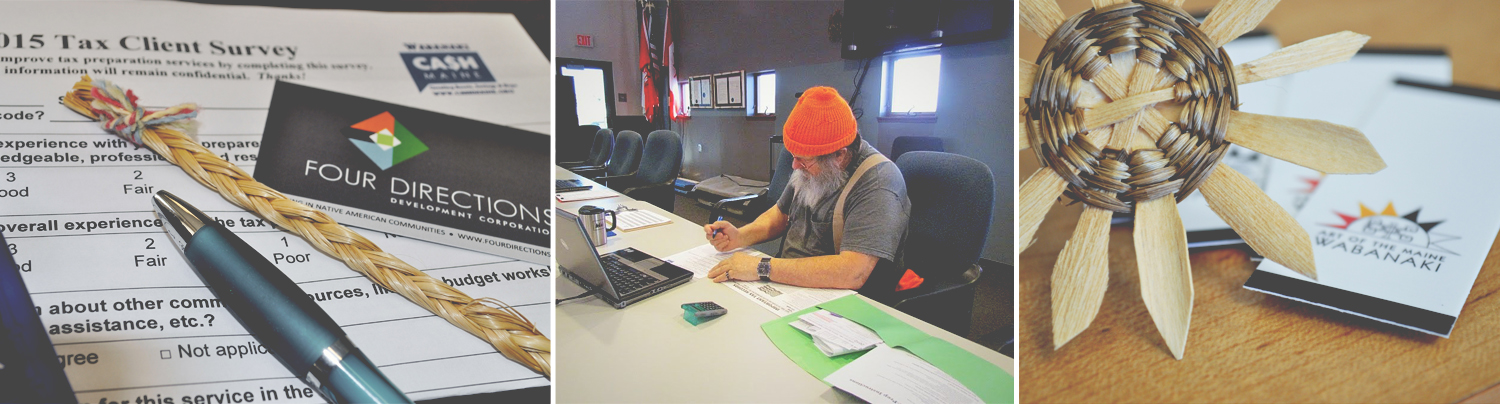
890, 375
702, 258
124, 310
778, 298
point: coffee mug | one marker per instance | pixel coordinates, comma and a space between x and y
594, 224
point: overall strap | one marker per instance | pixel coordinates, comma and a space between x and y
838, 207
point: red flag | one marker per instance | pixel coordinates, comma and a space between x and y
649, 99
674, 91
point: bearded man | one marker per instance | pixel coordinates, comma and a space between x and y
828, 244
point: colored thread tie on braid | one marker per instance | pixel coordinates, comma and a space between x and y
118, 112
170, 133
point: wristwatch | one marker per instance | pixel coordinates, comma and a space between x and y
764, 269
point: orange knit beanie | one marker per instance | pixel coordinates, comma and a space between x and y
821, 123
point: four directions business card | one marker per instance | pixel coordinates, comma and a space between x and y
411, 172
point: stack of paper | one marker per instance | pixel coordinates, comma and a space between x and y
600, 193
835, 335
632, 219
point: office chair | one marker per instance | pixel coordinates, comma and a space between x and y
652, 181
604, 145
622, 162
952, 197
904, 144
753, 205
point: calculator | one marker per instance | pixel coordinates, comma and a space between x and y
700, 312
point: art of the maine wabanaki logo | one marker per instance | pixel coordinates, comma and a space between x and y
452, 66
1398, 238
390, 143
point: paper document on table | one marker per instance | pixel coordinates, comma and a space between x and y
889, 375
702, 258
784, 299
632, 219
600, 193
134, 321
778, 298
835, 335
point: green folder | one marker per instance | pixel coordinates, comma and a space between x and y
985, 379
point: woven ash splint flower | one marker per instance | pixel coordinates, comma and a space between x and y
1099, 114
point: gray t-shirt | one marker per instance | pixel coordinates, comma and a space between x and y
875, 215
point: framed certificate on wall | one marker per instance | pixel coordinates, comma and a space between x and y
702, 89
729, 90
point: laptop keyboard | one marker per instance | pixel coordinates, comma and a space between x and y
625, 278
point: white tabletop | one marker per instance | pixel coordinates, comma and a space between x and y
647, 353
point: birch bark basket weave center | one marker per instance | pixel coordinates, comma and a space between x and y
1129, 108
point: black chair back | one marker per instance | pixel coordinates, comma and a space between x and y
662, 158
604, 145
904, 144
951, 201
779, 178
627, 154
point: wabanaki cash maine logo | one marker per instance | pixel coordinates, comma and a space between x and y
453, 67
390, 143
1401, 239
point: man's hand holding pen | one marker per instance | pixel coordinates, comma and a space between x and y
722, 235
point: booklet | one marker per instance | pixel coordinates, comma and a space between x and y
1346, 94
1404, 245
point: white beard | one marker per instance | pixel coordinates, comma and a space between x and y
813, 189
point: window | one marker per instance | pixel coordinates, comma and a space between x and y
911, 84
588, 87
763, 94
681, 99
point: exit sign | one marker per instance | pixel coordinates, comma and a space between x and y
586, 41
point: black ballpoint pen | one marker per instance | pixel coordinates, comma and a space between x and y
274, 309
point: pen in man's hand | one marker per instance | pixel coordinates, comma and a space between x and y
274, 309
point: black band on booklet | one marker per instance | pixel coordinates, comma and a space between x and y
1380, 309
1456, 89
1376, 50
403, 170
1213, 238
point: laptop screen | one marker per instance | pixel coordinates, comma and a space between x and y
576, 253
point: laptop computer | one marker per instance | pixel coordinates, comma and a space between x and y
620, 278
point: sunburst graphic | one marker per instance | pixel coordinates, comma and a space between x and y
1387, 225
1130, 107
1312, 184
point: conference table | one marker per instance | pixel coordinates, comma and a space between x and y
647, 353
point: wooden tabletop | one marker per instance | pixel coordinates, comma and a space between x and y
1245, 346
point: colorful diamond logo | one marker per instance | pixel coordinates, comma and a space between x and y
390, 143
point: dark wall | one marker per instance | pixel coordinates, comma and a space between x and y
721, 36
